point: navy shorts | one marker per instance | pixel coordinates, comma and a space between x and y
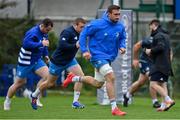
144, 67
159, 77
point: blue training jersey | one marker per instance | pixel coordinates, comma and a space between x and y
32, 48
66, 49
104, 38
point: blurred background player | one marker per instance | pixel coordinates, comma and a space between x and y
144, 63
161, 66
35, 42
63, 58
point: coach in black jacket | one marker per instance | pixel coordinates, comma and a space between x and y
160, 52
161, 67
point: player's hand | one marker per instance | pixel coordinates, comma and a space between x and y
122, 50
135, 63
148, 52
77, 44
46, 59
45, 42
87, 55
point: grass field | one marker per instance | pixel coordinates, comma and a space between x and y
59, 107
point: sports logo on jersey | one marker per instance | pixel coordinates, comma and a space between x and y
161, 79
88, 25
147, 69
150, 39
99, 62
63, 38
105, 34
117, 34
19, 73
76, 38
44, 38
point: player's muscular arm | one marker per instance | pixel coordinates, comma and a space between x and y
136, 49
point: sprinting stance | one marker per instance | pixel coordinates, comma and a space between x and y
106, 36
64, 58
32, 80
161, 68
144, 63
35, 42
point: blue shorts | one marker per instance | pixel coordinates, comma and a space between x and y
24, 71
99, 63
144, 67
57, 69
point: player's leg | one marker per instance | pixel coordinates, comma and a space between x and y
27, 92
75, 68
39, 104
51, 77
143, 77
158, 82
107, 71
41, 70
97, 82
85, 79
138, 84
153, 94
134, 87
169, 102
20, 81
77, 87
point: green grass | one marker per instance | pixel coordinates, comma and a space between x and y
59, 107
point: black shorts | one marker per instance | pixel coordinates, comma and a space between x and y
159, 77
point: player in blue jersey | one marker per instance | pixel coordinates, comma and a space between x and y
144, 63
106, 37
63, 58
35, 42
32, 80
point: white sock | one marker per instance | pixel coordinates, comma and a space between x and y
76, 79
113, 104
27, 93
36, 93
167, 98
163, 105
8, 99
154, 100
38, 98
76, 96
128, 95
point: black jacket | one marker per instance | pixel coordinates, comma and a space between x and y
160, 52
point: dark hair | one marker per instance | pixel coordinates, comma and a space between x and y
79, 20
47, 22
155, 22
113, 7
